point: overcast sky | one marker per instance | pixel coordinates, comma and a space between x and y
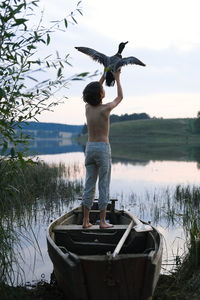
164, 34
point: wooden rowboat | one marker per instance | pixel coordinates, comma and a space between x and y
118, 263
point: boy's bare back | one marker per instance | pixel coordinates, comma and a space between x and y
98, 117
98, 122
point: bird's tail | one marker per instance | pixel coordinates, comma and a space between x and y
110, 80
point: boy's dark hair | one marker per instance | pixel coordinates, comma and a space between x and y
92, 93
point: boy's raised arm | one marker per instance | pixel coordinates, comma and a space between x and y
102, 78
119, 97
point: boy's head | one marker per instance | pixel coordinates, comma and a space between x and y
93, 93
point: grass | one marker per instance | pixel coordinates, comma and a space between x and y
179, 206
151, 131
154, 139
25, 190
42, 290
184, 281
163, 131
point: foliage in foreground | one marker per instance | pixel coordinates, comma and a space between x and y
27, 84
37, 187
27, 81
184, 283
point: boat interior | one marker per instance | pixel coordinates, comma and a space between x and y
69, 235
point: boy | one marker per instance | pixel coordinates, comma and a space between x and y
98, 152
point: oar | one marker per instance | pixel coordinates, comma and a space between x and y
122, 240
139, 227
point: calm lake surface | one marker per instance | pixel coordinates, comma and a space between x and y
141, 187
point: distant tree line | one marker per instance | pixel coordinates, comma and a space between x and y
122, 118
197, 123
126, 117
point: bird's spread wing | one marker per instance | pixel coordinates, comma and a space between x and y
131, 60
95, 55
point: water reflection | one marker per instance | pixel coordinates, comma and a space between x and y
147, 190
54, 146
125, 154
129, 161
156, 202
143, 184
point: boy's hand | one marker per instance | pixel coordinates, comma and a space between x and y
117, 74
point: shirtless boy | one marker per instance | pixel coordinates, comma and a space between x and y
98, 152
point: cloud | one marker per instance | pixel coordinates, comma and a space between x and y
162, 105
151, 24
72, 111
163, 34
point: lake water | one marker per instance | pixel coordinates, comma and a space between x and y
141, 187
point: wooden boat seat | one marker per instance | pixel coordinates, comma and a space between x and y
74, 227
94, 240
78, 211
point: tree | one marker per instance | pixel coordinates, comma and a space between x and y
84, 129
23, 95
197, 123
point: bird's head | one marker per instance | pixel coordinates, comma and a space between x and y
121, 47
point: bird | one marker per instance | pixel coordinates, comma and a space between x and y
111, 63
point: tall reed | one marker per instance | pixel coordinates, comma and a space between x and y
26, 190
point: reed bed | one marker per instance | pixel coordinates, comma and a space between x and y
38, 190
27, 190
178, 206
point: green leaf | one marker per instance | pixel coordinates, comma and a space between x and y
36, 35
59, 72
60, 63
80, 12
17, 10
35, 3
84, 74
32, 78
12, 152
57, 54
48, 39
74, 19
21, 159
5, 147
19, 22
66, 23
2, 94
20, 118
29, 47
68, 63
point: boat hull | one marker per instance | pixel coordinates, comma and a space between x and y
132, 274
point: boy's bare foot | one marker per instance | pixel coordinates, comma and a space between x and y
106, 225
87, 225
103, 223
86, 218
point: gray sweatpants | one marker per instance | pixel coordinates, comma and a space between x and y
98, 164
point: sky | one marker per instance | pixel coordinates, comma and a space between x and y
164, 34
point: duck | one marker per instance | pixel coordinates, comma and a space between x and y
111, 63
